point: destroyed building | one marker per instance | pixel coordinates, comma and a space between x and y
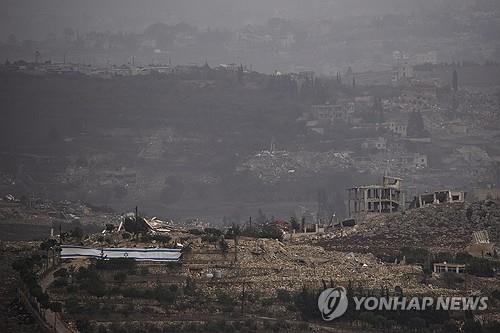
385, 198
437, 197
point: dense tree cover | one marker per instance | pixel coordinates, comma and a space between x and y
27, 267
429, 320
202, 125
416, 127
475, 266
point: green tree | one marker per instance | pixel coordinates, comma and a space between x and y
223, 245
455, 80
77, 232
55, 307
416, 127
294, 223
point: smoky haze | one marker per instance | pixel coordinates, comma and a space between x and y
216, 109
210, 165
34, 19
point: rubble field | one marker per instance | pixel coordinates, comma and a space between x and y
440, 227
23, 221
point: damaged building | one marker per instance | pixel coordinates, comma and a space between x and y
387, 197
438, 197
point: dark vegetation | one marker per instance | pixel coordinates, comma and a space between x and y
429, 320
257, 230
214, 119
481, 267
27, 268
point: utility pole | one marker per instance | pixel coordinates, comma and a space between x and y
236, 235
243, 300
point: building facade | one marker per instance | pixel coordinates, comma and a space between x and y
387, 197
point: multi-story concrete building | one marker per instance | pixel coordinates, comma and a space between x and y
387, 197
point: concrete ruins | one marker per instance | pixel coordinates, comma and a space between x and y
437, 197
480, 237
385, 198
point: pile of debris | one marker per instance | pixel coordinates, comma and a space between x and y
442, 227
268, 265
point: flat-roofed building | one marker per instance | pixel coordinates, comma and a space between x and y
446, 267
387, 197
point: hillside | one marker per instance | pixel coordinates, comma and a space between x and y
170, 144
446, 228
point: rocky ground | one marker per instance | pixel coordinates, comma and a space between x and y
21, 220
444, 227
262, 267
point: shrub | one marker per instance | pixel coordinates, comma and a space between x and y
306, 302
283, 295
190, 287
127, 309
48, 244
414, 255
120, 277
117, 264
95, 288
452, 279
62, 272
196, 232
77, 233
71, 305
60, 282
210, 238
102, 329
83, 326
156, 237
213, 231
223, 245
225, 300
491, 327
480, 267
477, 266
267, 302
165, 295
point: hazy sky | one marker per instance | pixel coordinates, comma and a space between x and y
35, 19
